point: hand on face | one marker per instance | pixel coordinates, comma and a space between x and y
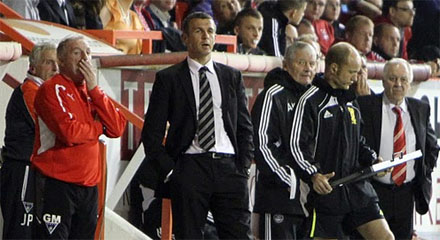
86, 69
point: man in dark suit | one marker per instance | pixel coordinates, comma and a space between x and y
57, 11
209, 146
383, 114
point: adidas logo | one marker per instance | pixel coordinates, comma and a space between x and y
328, 114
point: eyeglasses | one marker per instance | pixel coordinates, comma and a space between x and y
413, 10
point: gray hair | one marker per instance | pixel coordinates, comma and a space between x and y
37, 52
62, 46
296, 46
396, 61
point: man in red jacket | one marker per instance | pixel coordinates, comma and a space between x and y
72, 112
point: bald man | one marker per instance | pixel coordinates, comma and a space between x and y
326, 144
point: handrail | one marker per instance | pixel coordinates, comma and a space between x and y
9, 12
249, 63
110, 36
229, 40
14, 34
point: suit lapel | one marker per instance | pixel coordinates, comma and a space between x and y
415, 120
70, 15
58, 10
188, 86
377, 125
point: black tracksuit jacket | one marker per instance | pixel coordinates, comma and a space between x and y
272, 116
326, 137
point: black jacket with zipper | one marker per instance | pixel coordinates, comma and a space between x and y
272, 117
326, 137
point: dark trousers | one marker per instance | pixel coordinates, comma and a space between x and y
200, 183
16, 191
281, 226
397, 204
65, 210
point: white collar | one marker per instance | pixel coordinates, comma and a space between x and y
195, 66
35, 79
60, 2
387, 103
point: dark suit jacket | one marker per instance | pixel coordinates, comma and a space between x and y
172, 100
371, 109
52, 12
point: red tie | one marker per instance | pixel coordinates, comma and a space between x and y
399, 172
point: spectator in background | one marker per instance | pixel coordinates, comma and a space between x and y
278, 190
323, 29
249, 28
225, 12
400, 13
73, 112
201, 6
359, 33
360, 86
313, 40
138, 7
306, 27
87, 13
276, 16
16, 184
291, 35
158, 18
26, 8
426, 27
159, 12
331, 14
116, 15
57, 12
386, 41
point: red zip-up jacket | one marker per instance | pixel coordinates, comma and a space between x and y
69, 121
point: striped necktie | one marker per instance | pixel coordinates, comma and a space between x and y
399, 172
206, 133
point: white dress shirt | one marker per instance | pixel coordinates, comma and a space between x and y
222, 142
387, 134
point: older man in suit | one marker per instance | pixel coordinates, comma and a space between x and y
57, 11
209, 146
397, 124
